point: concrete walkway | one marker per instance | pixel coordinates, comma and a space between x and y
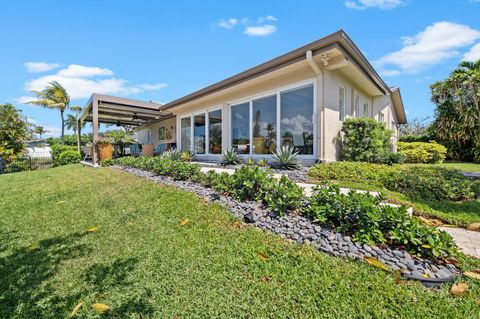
468, 241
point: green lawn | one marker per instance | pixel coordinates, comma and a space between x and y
466, 167
143, 264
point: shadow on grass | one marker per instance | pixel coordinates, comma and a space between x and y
114, 279
24, 274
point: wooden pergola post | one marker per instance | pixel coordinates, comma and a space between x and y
95, 124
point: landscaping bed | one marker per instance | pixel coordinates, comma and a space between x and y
301, 229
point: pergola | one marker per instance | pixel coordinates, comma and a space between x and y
120, 111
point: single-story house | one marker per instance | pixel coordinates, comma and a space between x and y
299, 99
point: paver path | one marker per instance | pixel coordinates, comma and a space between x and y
468, 241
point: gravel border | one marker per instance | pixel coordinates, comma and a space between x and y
299, 229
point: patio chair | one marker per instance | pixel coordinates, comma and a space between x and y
160, 148
87, 151
135, 150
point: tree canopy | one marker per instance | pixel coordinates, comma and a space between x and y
457, 114
13, 131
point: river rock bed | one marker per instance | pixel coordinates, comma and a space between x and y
299, 229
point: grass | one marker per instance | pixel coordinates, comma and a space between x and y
466, 167
143, 264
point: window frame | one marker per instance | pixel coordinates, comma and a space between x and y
277, 91
207, 129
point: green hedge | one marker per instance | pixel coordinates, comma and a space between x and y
427, 182
67, 157
365, 140
420, 152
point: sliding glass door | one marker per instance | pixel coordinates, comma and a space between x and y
206, 131
199, 137
186, 133
260, 126
296, 119
240, 121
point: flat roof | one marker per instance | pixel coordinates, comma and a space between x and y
122, 111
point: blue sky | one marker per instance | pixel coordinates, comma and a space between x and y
159, 50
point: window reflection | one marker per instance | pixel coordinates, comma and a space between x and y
215, 132
186, 133
199, 133
264, 118
240, 128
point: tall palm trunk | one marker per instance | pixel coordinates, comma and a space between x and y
63, 128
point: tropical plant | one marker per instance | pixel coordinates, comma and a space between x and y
262, 162
38, 129
286, 158
230, 157
171, 155
187, 156
364, 140
250, 161
457, 114
54, 96
13, 131
120, 138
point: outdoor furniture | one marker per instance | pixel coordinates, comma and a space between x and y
134, 150
147, 149
160, 148
87, 151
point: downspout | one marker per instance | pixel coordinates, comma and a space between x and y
319, 73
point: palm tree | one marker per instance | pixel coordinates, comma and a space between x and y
54, 96
40, 130
71, 121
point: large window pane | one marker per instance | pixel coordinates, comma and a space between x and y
240, 128
186, 133
215, 132
296, 126
199, 134
264, 117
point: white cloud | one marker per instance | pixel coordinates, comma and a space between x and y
260, 31
34, 67
380, 4
437, 43
261, 26
81, 81
228, 24
473, 54
80, 71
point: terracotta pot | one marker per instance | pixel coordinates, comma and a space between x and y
147, 149
105, 151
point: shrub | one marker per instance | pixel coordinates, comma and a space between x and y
476, 188
55, 150
107, 162
283, 195
248, 182
429, 183
364, 139
230, 157
285, 158
390, 158
420, 152
350, 171
67, 157
368, 222
250, 161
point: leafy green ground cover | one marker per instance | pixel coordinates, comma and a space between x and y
427, 187
72, 234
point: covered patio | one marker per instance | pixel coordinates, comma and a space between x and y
117, 111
